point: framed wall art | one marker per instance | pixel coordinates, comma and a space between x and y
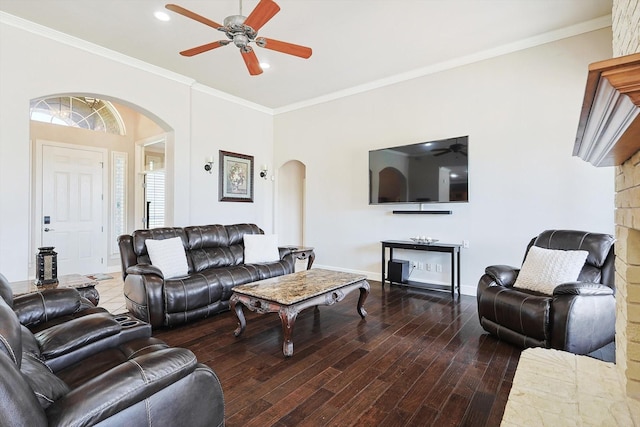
236, 177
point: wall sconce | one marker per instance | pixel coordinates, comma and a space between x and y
263, 172
208, 164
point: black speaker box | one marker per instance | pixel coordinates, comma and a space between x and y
398, 271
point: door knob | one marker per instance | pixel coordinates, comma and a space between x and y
48, 229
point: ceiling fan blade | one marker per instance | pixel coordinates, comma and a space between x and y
250, 58
441, 154
263, 12
284, 47
184, 12
204, 48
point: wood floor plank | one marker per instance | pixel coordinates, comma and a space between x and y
418, 358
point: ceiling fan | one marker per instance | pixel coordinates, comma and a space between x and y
456, 148
243, 30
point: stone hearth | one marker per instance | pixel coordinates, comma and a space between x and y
556, 388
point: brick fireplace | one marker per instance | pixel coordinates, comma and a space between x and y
608, 135
628, 274
626, 40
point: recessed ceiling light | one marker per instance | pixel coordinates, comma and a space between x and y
162, 16
453, 175
264, 65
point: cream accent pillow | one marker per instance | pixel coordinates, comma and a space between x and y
261, 248
544, 269
168, 255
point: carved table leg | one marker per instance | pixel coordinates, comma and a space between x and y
288, 318
312, 257
237, 308
364, 292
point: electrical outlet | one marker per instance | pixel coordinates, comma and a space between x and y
438, 268
421, 266
465, 244
428, 267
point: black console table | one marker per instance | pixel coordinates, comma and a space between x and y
452, 248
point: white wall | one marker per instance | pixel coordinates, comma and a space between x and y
32, 65
520, 111
220, 125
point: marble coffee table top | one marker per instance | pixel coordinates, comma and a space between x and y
293, 288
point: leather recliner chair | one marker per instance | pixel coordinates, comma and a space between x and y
579, 317
82, 366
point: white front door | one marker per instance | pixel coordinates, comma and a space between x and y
72, 208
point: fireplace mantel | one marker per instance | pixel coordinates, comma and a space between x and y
609, 128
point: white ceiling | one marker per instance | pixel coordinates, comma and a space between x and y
355, 42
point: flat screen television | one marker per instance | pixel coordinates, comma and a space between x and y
426, 172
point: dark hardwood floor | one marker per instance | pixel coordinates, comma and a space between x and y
418, 358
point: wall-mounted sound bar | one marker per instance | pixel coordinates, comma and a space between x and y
424, 212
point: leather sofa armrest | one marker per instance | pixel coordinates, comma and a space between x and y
46, 305
582, 288
144, 269
583, 317
76, 333
122, 387
128, 256
503, 275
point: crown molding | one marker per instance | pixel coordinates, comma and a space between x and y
231, 98
58, 36
86, 46
609, 127
548, 37
574, 30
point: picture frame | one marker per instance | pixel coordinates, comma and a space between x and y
236, 177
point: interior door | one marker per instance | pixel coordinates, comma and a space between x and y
72, 207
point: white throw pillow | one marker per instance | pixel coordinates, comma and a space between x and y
544, 269
168, 255
261, 248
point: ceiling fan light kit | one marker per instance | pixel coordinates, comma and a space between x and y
242, 31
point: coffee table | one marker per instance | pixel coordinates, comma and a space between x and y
288, 295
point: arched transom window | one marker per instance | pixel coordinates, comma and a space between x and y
78, 111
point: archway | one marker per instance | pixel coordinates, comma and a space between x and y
291, 203
124, 163
392, 186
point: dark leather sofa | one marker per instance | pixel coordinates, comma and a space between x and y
72, 364
215, 254
579, 317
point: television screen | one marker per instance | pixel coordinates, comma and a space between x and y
426, 172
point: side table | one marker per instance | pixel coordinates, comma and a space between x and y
451, 248
84, 285
303, 252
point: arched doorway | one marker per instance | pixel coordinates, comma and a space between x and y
291, 203
83, 177
392, 186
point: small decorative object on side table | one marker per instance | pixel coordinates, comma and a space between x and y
304, 252
47, 262
83, 284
